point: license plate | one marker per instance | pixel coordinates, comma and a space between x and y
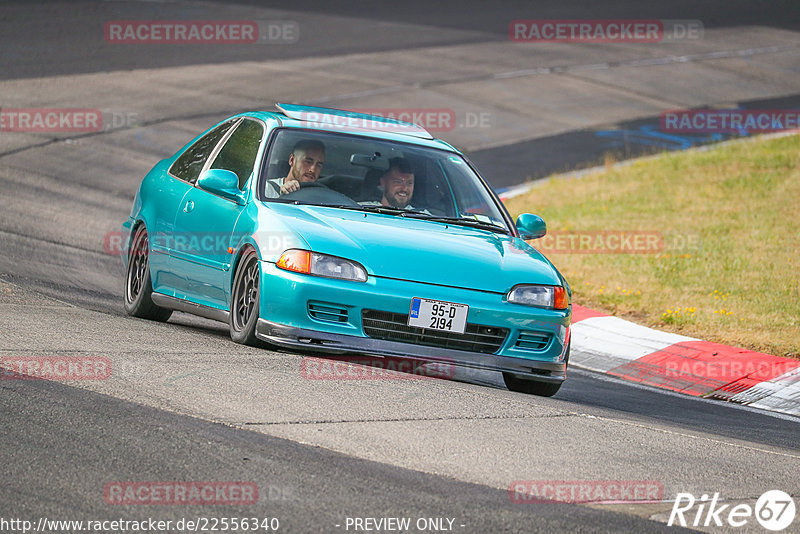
438, 315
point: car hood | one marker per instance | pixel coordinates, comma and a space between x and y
421, 251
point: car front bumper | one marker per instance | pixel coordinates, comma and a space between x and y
311, 340
285, 321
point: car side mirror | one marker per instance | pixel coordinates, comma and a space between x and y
221, 182
531, 226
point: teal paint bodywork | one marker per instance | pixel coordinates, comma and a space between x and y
424, 251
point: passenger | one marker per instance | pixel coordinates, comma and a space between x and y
397, 184
305, 165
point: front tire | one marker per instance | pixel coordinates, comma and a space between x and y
531, 387
245, 300
534, 387
138, 286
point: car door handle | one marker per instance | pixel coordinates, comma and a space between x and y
188, 207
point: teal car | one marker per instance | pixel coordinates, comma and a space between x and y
344, 233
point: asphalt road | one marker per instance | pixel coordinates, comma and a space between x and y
65, 37
184, 403
104, 440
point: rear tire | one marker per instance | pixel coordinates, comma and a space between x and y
245, 300
138, 286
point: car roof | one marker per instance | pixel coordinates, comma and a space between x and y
343, 121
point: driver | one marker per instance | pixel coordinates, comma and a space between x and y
305, 165
397, 184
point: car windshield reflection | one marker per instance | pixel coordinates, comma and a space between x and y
375, 175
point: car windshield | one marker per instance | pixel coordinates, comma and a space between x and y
389, 177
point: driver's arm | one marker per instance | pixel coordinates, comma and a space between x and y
289, 186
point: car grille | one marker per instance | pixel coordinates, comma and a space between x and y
327, 312
393, 327
532, 340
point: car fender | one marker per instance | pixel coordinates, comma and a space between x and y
260, 230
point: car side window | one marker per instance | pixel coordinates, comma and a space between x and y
240, 150
188, 166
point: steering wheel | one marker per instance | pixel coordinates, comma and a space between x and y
316, 193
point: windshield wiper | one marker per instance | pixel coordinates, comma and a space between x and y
386, 210
291, 201
414, 214
472, 223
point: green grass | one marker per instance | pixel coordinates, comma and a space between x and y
730, 220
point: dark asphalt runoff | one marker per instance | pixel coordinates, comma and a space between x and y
61, 446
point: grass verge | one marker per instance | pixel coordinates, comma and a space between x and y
718, 247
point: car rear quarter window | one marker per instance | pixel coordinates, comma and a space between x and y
189, 164
240, 150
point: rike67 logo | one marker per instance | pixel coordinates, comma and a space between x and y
774, 510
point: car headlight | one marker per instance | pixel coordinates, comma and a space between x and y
316, 264
554, 297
